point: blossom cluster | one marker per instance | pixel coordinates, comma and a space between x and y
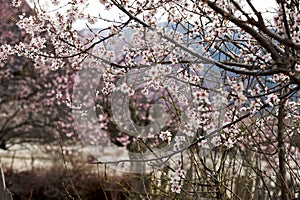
176, 179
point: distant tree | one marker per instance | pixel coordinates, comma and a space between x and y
30, 104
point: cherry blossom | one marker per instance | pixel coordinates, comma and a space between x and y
238, 66
166, 136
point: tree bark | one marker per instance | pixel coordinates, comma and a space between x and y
281, 153
5, 194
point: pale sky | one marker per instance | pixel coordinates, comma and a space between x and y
95, 8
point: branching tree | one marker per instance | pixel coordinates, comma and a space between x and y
31, 110
227, 72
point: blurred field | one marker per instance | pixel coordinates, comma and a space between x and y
36, 156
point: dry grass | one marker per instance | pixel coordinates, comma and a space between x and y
78, 182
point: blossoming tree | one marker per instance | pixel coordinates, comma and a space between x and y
29, 102
228, 76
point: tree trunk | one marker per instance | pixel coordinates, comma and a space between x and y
281, 153
5, 194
